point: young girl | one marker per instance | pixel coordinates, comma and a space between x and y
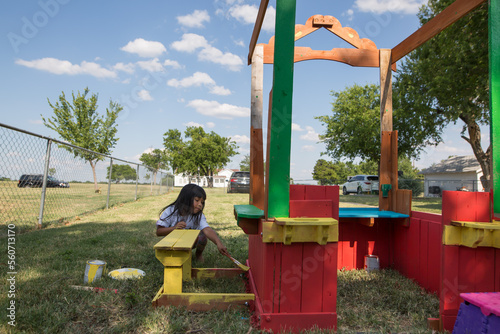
186, 212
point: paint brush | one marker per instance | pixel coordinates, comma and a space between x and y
238, 263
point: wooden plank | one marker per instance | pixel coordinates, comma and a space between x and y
330, 256
281, 119
385, 169
315, 192
256, 28
447, 17
312, 278
352, 57
311, 208
291, 278
385, 90
297, 192
187, 240
257, 193
205, 301
494, 67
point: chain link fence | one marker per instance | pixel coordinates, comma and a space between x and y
43, 183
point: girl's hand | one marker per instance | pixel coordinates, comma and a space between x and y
222, 249
180, 225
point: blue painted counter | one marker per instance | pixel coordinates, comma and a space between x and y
368, 213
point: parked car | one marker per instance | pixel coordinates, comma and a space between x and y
360, 184
239, 182
36, 181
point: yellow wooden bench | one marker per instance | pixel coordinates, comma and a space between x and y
174, 252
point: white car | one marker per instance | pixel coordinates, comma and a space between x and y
360, 184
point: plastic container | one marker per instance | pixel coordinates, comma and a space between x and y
371, 263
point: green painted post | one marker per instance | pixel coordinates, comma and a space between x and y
281, 117
494, 45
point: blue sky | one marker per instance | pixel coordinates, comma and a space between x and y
172, 64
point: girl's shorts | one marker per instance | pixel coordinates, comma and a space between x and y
202, 240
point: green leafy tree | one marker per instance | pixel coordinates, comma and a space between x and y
245, 163
329, 172
353, 129
52, 171
79, 124
447, 78
154, 161
201, 153
122, 172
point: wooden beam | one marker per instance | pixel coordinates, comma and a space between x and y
256, 28
385, 91
494, 59
353, 57
447, 17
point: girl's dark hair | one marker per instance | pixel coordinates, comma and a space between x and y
183, 205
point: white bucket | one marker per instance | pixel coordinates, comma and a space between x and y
371, 263
93, 271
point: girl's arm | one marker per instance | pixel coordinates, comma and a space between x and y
212, 235
162, 231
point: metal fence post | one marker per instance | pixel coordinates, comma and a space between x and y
136, 182
44, 185
109, 181
161, 182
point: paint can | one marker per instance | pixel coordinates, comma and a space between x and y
371, 263
94, 271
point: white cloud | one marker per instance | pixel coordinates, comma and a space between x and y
199, 79
194, 124
241, 139
296, 127
311, 134
192, 42
128, 68
194, 20
210, 125
394, 6
219, 110
152, 65
219, 90
247, 14
172, 63
35, 121
189, 43
144, 95
57, 66
214, 55
145, 49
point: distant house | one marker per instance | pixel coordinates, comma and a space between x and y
455, 173
181, 180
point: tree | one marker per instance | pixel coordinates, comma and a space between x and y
329, 172
122, 172
79, 124
52, 171
245, 163
154, 161
447, 77
353, 131
201, 154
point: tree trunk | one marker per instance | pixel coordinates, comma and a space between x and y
92, 164
484, 158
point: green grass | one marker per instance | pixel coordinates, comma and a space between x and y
22, 205
50, 260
